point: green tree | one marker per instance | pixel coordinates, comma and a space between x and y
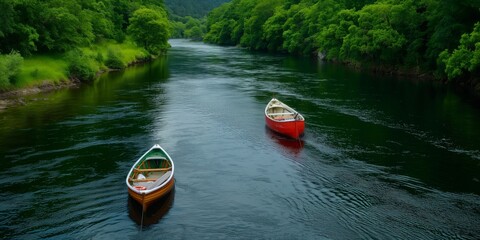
273, 30
356, 4
178, 29
63, 30
150, 28
253, 27
390, 34
447, 20
194, 28
216, 25
194, 8
221, 32
101, 16
320, 20
16, 32
194, 33
375, 38
7, 18
330, 38
295, 32
465, 60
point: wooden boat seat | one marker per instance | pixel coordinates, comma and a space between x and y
276, 106
151, 169
155, 158
142, 180
145, 166
160, 180
283, 118
277, 114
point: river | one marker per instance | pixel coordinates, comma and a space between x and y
381, 158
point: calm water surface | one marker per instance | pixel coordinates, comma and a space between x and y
381, 158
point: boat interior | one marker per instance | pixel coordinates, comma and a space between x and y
151, 173
279, 112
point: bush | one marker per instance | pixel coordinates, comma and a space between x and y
99, 57
81, 66
143, 57
114, 59
9, 67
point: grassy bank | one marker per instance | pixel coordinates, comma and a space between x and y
127, 52
53, 69
40, 69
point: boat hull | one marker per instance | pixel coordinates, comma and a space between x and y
151, 177
283, 119
146, 199
293, 129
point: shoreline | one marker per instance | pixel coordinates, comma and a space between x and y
468, 87
17, 97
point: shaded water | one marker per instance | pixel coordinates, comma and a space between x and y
381, 158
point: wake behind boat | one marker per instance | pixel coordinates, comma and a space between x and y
283, 119
151, 177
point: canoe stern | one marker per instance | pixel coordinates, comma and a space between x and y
292, 129
146, 199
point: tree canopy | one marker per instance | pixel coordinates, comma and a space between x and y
31, 26
72, 28
433, 36
192, 8
150, 28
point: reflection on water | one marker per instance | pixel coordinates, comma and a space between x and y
293, 146
155, 211
381, 159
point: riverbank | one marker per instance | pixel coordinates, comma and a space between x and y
470, 86
19, 97
45, 73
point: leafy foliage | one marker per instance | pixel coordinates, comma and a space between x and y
70, 29
193, 8
114, 60
31, 26
254, 24
424, 35
189, 27
150, 28
465, 60
9, 67
188, 17
81, 66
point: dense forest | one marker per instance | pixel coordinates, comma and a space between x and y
433, 37
192, 8
188, 17
75, 39
87, 35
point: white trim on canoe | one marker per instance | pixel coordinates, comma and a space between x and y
156, 146
275, 103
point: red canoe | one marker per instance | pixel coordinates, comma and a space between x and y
284, 119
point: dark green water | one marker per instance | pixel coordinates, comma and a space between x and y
381, 158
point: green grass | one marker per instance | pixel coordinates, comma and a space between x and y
40, 68
127, 51
52, 68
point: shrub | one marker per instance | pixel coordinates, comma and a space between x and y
114, 59
99, 57
9, 67
81, 66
